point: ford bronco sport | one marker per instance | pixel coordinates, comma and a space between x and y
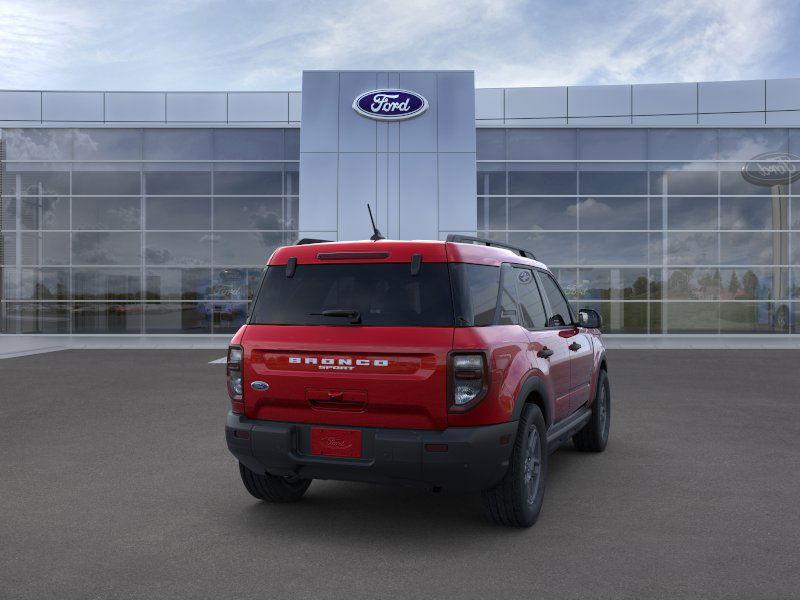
456, 364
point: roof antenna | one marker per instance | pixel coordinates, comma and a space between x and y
376, 233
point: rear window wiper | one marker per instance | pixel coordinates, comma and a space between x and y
353, 315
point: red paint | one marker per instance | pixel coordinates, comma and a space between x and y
344, 443
397, 377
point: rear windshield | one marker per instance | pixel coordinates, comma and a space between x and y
385, 295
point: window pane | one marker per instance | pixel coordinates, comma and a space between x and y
746, 144
245, 248
291, 144
35, 317
568, 280
541, 144
692, 213
178, 248
248, 182
248, 144
176, 317
509, 314
36, 284
105, 248
693, 284
612, 213
559, 308
530, 301
755, 248
107, 144
38, 144
106, 284
732, 182
682, 144
174, 212
621, 317
613, 248
684, 183
178, 284
105, 213
49, 248
118, 183
613, 284
542, 213
754, 213
608, 144
692, 248
229, 317
613, 182
178, 183
747, 317
550, 248
36, 183
235, 283
475, 289
491, 179
291, 179
248, 213
44, 212
522, 181
490, 144
8, 214
178, 144
492, 213
691, 317
107, 318
755, 283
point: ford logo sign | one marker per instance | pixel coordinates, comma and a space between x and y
772, 168
390, 105
260, 385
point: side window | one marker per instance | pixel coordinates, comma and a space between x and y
507, 302
530, 300
559, 307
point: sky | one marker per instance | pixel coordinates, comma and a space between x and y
264, 45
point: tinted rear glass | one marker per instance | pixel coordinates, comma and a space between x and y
475, 293
383, 294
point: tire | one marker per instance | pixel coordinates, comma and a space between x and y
271, 488
594, 435
517, 500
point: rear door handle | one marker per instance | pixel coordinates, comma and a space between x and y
574, 346
545, 353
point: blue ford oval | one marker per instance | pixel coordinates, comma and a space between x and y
390, 105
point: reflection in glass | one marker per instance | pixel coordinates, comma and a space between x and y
107, 144
613, 249
177, 183
178, 284
236, 283
248, 144
107, 317
103, 248
612, 144
251, 182
491, 144
178, 248
692, 248
613, 284
755, 248
36, 317
248, 213
747, 317
172, 212
178, 144
693, 284
541, 213
36, 183
682, 144
45, 248
755, 283
229, 316
612, 213
523, 181
44, 212
754, 213
178, 317
105, 213
491, 179
492, 213
106, 284
36, 284
245, 248
676, 181
541, 144
690, 317
620, 317
692, 213
613, 182
550, 248
117, 183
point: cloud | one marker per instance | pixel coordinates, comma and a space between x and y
206, 44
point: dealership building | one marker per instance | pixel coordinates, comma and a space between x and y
672, 209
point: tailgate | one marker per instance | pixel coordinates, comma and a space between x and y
392, 377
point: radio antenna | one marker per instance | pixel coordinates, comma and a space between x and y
376, 235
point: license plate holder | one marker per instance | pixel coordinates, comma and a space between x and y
339, 443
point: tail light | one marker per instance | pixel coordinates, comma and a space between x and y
234, 375
468, 380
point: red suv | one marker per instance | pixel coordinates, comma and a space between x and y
456, 364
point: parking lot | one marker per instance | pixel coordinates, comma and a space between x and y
115, 482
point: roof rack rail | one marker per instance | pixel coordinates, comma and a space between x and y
467, 239
304, 241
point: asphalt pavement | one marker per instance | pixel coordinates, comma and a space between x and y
115, 482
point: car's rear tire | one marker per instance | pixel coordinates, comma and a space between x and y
517, 500
271, 488
594, 435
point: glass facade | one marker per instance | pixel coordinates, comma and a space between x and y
141, 230
657, 229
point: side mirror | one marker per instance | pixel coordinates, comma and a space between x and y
589, 318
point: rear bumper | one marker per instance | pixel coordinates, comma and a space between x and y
475, 458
